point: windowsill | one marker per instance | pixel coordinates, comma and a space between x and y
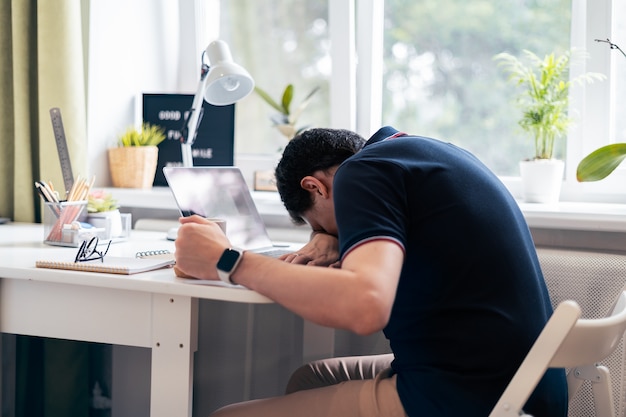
580, 216
598, 217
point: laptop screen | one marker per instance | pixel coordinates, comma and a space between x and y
219, 192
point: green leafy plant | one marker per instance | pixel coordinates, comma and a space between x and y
544, 96
601, 162
99, 201
286, 119
148, 135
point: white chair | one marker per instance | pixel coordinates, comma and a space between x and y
567, 341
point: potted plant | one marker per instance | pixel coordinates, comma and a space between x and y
286, 122
601, 162
286, 119
544, 101
102, 212
99, 201
133, 162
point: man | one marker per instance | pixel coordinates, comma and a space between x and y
432, 249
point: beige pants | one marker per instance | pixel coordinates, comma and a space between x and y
358, 386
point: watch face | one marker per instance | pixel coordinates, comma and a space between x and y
228, 260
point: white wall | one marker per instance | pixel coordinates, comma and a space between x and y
137, 47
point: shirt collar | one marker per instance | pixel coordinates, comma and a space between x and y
386, 132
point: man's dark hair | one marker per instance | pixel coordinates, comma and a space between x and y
312, 150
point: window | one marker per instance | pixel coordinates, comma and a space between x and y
440, 79
437, 77
279, 42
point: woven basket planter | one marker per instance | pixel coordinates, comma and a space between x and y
133, 166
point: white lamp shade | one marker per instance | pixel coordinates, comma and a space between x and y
226, 82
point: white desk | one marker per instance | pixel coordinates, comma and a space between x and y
151, 309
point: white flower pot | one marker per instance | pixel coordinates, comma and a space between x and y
111, 221
542, 180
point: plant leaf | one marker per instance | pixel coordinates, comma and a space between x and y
152, 135
149, 135
269, 100
293, 118
287, 97
601, 162
543, 95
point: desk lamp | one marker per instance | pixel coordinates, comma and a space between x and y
222, 83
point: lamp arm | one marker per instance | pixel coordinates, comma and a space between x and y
192, 121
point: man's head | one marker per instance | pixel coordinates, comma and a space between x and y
309, 152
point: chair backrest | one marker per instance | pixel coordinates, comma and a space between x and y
566, 341
594, 280
592, 340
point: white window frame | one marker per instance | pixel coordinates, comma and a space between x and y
590, 21
356, 31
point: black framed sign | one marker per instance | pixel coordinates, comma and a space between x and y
215, 141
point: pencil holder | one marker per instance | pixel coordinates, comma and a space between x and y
58, 219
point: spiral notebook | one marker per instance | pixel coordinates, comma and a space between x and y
143, 262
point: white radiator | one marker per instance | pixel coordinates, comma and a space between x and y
594, 280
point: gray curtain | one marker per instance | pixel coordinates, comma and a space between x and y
41, 66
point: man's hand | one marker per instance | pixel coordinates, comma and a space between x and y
199, 245
181, 274
321, 250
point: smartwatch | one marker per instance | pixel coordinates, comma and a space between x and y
228, 263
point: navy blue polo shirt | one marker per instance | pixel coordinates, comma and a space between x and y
471, 298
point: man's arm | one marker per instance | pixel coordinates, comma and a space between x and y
357, 297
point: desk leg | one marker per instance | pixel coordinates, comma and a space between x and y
174, 341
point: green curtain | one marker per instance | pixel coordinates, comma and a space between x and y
41, 67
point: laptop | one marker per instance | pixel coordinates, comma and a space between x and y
221, 192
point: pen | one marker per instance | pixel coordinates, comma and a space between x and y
48, 197
46, 193
41, 192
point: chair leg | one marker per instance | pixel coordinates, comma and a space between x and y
600, 378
